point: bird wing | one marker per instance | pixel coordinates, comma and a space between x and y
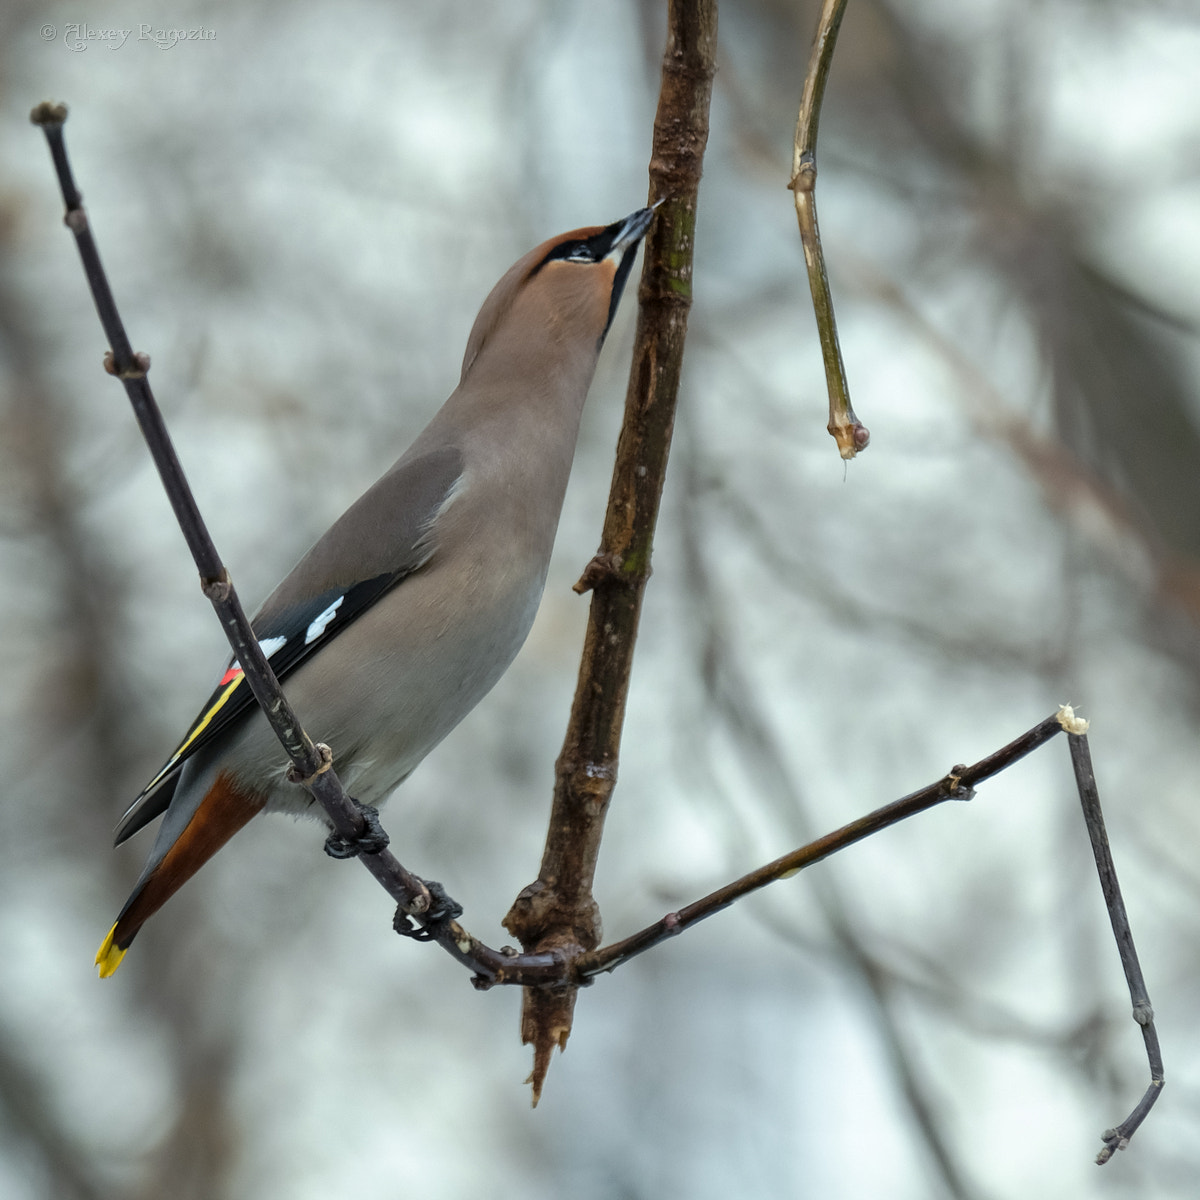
393, 523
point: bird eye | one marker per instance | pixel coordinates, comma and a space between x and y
581, 252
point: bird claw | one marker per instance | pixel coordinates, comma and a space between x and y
442, 908
372, 840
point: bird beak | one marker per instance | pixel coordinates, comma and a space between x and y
633, 228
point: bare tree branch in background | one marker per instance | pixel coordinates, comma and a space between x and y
1118, 388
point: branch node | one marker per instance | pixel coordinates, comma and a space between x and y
953, 785
324, 762
75, 219
218, 590
141, 360
605, 569
805, 178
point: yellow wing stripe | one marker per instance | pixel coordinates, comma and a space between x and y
235, 678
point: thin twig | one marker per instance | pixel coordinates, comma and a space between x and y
959, 784
850, 433
1143, 1013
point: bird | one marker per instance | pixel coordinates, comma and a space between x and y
407, 611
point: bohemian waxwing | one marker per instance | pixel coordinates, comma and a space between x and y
410, 608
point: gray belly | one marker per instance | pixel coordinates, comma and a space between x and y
398, 680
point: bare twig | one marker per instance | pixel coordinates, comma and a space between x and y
1081, 759
958, 784
558, 910
850, 433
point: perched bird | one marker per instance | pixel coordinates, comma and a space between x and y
410, 608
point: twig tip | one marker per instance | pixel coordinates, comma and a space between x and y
48, 113
850, 434
1070, 722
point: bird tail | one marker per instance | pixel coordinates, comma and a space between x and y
108, 957
224, 809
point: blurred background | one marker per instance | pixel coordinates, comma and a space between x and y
301, 214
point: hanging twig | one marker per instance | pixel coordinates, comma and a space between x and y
1143, 1013
849, 432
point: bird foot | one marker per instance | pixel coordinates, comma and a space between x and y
442, 908
372, 840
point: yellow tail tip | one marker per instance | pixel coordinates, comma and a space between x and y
108, 957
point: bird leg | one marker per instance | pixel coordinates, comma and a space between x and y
442, 908
372, 840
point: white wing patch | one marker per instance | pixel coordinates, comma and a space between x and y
320, 623
267, 645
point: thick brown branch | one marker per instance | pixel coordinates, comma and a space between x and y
558, 910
